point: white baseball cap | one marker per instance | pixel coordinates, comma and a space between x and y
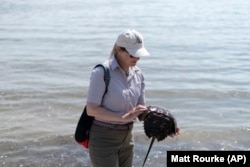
133, 42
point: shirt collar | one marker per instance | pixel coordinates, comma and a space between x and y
114, 64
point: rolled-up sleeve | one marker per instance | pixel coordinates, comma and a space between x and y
96, 86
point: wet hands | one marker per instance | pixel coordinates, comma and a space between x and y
132, 114
176, 133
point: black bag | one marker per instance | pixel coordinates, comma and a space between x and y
85, 121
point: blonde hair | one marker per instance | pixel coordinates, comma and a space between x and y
113, 51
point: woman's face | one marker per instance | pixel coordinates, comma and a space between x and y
125, 59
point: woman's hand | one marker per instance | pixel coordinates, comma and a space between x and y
132, 114
177, 132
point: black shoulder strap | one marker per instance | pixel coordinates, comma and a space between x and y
106, 76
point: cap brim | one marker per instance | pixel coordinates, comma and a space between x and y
138, 52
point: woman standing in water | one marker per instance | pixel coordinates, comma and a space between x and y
111, 141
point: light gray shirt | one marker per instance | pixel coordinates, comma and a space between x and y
124, 92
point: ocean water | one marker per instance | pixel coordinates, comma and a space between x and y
198, 69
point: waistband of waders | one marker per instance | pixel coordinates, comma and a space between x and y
127, 126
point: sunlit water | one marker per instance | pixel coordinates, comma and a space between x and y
198, 69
